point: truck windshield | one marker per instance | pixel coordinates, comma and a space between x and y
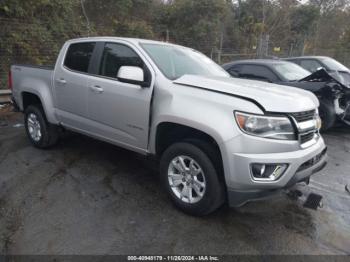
291, 72
176, 61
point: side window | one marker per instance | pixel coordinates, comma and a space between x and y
117, 55
235, 70
311, 65
78, 56
258, 72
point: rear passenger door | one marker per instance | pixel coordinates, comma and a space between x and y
70, 84
119, 111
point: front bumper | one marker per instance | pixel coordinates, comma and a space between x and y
302, 163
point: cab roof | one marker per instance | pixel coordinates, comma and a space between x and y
126, 39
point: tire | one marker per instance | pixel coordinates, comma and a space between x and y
40, 132
210, 197
327, 114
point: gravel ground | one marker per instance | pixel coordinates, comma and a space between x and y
88, 197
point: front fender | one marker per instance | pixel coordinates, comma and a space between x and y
208, 112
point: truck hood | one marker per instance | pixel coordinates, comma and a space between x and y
272, 97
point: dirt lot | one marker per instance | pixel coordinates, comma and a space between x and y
88, 197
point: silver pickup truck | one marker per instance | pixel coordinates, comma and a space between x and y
217, 138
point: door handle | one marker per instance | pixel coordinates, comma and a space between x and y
96, 89
61, 81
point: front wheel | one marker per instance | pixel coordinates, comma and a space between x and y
40, 132
191, 180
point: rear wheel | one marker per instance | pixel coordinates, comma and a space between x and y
191, 179
40, 132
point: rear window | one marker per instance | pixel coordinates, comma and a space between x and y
78, 56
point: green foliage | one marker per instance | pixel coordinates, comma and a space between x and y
303, 19
129, 18
32, 31
345, 40
195, 23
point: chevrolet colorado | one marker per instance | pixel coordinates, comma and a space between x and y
217, 138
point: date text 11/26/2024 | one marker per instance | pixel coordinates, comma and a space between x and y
173, 258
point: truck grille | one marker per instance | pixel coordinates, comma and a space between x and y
304, 116
305, 135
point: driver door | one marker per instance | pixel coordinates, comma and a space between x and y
120, 112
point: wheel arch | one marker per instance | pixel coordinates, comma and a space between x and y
168, 133
32, 97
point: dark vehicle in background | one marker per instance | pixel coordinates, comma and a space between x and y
334, 96
332, 66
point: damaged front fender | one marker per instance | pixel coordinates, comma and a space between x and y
326, 87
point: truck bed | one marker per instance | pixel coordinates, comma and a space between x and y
28, 77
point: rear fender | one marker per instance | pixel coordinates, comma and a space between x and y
42, 91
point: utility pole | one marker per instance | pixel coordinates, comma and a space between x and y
239, 10
262, 40
267, 43
167, 36
303, 46
86, 17
221, 43
291, 49
239, 23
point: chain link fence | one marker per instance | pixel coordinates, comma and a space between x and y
228, 55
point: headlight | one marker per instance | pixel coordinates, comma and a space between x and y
266, 126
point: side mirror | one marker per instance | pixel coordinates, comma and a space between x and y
132, 75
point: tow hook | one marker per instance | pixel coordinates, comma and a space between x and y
311, 201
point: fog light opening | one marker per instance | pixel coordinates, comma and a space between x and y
268, 172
